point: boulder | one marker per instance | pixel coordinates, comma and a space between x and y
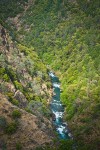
21, 98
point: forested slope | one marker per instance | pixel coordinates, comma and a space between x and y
66, 36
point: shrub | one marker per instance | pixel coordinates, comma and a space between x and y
26, 93
37, 98
66, 144
6, 78
49, 85
12, 100
11, 74
15, 102
23, 49
45, 112
28, 110
9, 94
2, 71
11, 128
18, 85
18, 146
16, 114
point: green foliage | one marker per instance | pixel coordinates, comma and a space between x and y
82, 146
11, 128
18, 85
25, 49
62, 145
28, 110
4, 75
46, 112
6, 78
27, 95
49, 85
66, 145
90, 8
11, 73
16, 114
38, 107
65, 35
18, 146
10, 8
12, 100
96, 111
39, 148
2, 71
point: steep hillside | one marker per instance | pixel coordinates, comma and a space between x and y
25, 94
65, 35
24, 131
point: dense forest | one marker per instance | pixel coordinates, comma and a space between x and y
59, 35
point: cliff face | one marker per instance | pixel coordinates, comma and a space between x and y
23, 87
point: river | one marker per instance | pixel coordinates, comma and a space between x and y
58, 110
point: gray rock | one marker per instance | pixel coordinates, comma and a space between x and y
21, 98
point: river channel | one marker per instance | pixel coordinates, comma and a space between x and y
58, 110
